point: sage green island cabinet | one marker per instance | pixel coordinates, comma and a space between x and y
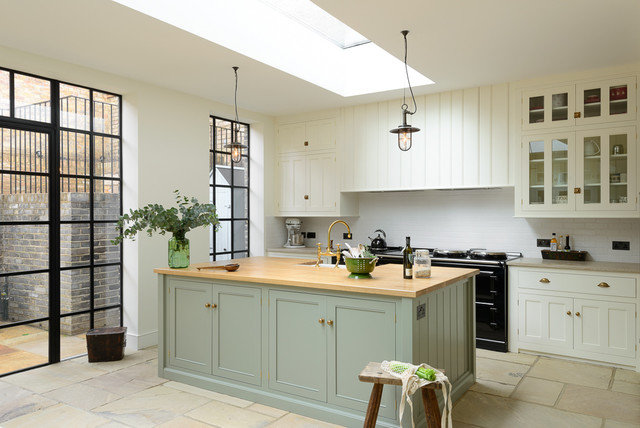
296, 337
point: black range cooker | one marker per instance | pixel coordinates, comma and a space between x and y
491, 287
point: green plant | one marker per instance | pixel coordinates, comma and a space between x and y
190, 214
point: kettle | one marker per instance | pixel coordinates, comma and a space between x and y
379, 243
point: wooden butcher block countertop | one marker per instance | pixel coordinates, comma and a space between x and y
386, 280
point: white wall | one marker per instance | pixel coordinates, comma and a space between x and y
462, 219
165, 147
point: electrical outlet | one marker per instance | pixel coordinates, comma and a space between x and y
620, 245
345, 235
543, 242
421, 311
304, 234
311, 235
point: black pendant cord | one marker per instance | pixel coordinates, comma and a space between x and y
235, 96
406, 69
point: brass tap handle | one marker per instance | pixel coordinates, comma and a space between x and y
604, 285
577, 314
321, 320
207, 305
545, 281
568, 312
330, 322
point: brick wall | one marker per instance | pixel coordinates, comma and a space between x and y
26, 247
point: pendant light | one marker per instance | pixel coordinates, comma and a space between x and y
236, 145
404, 131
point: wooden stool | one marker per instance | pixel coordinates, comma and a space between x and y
373, 373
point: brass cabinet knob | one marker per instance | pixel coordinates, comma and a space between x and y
568, 312
306, 196
577, 314
576, 115
330, 322
545, 281
321, 320
207, 305
306, 143
604, 285
577, 190
214, 306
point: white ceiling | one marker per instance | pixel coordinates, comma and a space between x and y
456, 43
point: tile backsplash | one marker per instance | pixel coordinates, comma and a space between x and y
462, 219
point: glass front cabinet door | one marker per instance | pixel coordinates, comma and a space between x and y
548, 173
606, 101
606, 169
550, 108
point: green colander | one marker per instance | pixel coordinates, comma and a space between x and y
360, 267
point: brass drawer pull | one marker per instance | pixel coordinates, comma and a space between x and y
545, 281
604, 285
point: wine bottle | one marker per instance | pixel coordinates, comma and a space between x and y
554, 242
567, 247
561, 243
407, 260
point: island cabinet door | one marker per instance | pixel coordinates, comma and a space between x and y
359, 331
546, 320
237, 337
297, 344
189, 326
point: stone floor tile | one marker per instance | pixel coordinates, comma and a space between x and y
494, 388
626, 387
572, 372
266, 410
16, 401
500, 371
234, 401
59, 415
296, 421
458, 424
52, 377
227, 416
512, 357
82, 396
609, 423
489, 411
627, 376
150, 407
599, 403
183, 422
538, 391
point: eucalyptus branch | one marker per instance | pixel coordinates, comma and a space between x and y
190, 214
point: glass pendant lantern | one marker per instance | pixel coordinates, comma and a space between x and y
405, 130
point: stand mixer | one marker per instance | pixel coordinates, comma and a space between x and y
294, 237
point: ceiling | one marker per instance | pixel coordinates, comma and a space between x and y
456, 43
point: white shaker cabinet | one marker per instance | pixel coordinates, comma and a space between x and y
581, 314
306, 136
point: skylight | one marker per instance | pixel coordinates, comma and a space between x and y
294, 36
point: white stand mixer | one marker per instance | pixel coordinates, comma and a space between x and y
294, 237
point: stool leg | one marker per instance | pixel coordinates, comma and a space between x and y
431, 409
374, 405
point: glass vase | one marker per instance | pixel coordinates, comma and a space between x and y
178, 252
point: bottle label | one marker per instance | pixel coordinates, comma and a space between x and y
408, 272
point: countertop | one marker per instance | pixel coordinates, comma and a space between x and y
633, 268
386, 280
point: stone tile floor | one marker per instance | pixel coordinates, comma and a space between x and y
512, 391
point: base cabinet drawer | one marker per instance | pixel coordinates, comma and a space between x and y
601, 285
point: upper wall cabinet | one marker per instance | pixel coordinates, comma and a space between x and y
602, 101
306, 136
463, 143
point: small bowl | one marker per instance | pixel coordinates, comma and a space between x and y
360, 267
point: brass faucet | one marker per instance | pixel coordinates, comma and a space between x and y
329, 251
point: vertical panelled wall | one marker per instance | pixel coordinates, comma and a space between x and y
463, 143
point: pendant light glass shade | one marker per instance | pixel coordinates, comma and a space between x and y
236, 145
404, 131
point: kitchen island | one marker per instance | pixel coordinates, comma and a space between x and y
287, 334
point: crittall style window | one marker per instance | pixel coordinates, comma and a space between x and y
60, 197
229, 191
